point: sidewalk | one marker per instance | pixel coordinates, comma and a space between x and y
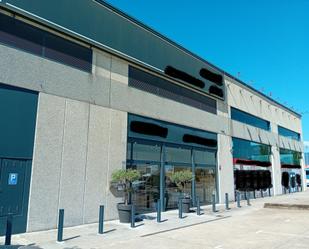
119, 235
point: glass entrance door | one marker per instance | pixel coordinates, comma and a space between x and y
146, 158
147, 189
205, 184
205, 175
177, 159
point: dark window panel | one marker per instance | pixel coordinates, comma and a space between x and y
249, 119
67, 52
18, 34
288, 133
163, 88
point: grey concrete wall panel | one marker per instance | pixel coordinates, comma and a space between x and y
77, 147
138, 102
245, 99
144, 45
119, 70
244, 131
47, 157
43, 75
74, 157
97, 162
117, 156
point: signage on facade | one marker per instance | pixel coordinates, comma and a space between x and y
13, 178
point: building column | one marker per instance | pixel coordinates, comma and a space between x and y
276, 170
225, 168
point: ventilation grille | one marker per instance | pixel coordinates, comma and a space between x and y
163, 88
23, 36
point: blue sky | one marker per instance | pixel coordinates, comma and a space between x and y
267, 41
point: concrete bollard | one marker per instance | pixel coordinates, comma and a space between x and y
60, 225
101, 219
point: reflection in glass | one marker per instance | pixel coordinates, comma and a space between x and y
205, 183
244, 149
146, 157
172, 192
147, 188
290, 157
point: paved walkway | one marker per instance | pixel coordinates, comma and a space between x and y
248, 227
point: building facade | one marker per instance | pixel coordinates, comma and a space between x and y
89, 91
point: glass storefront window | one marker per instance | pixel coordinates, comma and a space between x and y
288, 133
290, 157
248, 150
178, 154
204, 157
249, 119
147, 189
171, 190
205, 183
146, 157
148, 152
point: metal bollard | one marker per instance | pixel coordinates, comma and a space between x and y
101, 219
132, 216
269, 192
198, 206
158, 210
60, 225
227, 201
9, 226
238, 199
180, 208
254, 194
262, 194
213, 200
248, 199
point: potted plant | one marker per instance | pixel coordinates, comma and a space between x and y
182, 179
124, 179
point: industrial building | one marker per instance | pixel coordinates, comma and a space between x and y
87, 89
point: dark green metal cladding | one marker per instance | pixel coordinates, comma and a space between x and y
99, 22
18, 110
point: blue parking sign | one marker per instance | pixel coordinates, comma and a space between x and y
13, 179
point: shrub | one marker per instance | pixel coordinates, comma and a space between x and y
124, 179
181, 179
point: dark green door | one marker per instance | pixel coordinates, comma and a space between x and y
14, 191
18, 109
